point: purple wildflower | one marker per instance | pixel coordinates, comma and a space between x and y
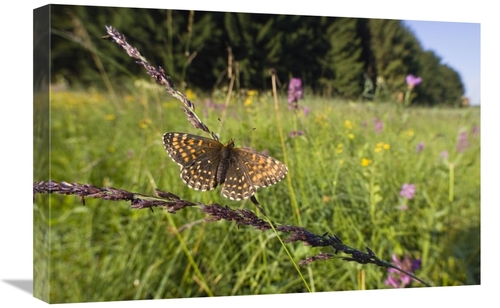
294, 92
420, 147
378, 125
413, 81
462, 142
408, 191
306, 110
296, 133
397, 279
475, 130
444, 154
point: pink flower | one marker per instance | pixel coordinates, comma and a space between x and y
397, 279
306, 110
462, 142
378, 125
413, 81
408, 191
296, 133
420, 147
294, 91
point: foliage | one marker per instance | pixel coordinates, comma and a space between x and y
106, 251
395, 52
344, 58
199, 48
442, 84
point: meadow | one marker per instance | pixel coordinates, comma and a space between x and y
350, 167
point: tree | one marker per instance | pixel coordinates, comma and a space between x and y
441, 84
343, 60
395, 50
330, 54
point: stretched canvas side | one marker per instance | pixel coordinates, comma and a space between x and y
41, 149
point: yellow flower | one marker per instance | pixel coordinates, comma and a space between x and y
144, 123
109, 117
190, 95
252, 93
381, 146
350, 135
340, 148
348, 124
365, 162
322, 120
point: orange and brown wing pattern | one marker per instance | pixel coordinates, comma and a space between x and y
249, 170
199, 158
206, 163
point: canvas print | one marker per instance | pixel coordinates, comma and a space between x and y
184, 153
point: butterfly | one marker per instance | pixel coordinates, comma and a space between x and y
206, 163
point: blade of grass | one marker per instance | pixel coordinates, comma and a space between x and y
203, 284
293, 198
288, 253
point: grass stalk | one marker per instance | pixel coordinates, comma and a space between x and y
293, 198
192, 262
289, 254
228, 99
452, 181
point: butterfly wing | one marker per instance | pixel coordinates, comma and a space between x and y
199, 158
249, 170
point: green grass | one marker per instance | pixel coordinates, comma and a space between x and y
106, 251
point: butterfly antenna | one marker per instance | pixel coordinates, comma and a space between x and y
247, 133
222, 125
225, 131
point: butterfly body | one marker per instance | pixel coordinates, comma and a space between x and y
206, 163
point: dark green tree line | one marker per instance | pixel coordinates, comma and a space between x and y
332, 55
